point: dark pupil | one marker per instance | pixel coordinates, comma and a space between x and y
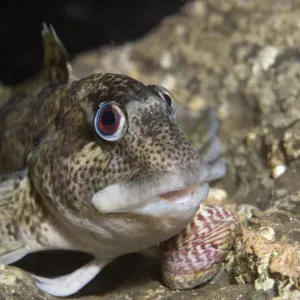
108, 118
168, 99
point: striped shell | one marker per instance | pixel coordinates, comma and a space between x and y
195, 255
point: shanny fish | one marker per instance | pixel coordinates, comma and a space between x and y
98, 165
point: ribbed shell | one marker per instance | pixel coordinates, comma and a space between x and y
195, 255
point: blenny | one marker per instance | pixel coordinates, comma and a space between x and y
98, 165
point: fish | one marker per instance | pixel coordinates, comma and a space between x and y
97, 164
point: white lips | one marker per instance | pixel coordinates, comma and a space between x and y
117, 198
165, 190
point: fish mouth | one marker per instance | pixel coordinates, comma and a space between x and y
173, 203
173, 196
156, 196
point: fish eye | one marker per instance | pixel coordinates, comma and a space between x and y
110, 122
166, 95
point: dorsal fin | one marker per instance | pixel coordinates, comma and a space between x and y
56, 66
56, 69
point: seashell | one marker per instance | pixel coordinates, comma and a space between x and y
195, 255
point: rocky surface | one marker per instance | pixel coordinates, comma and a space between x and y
243, 58
132, 277
17, 285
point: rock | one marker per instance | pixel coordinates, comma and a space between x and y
130, 277
17, 285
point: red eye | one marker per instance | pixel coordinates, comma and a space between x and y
110, 123
109, 120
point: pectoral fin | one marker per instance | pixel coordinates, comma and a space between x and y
12, 252
71, 283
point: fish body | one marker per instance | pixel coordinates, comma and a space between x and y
97, 164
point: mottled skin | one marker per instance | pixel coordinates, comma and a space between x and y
52, 163
69, 162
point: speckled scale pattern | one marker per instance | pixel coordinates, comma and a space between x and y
71, 167
26, 216
192, 257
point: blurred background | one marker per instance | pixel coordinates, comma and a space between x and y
81, 25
